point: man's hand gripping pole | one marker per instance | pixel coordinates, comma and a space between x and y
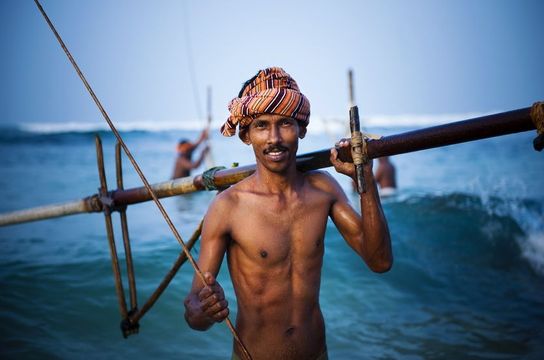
358, 148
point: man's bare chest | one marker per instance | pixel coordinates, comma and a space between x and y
274, 232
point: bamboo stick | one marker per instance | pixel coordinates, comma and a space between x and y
51, 211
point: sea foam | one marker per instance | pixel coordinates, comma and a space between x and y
318, 124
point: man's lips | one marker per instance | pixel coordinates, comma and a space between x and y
275, 150
275, 153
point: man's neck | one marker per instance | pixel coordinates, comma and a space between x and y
278, 182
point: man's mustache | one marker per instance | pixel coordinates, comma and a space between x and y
274, 148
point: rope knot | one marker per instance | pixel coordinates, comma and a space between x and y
208, 177
537, 116
358, 148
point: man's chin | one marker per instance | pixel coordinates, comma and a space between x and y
277, 167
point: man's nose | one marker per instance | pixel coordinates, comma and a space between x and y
274, 135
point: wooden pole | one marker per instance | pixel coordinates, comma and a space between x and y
124, 230
350, 88
87, 205
109, 230
209, 156
448, 134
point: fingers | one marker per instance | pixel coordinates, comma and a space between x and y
210, 288
212, 299
213, 303
340, 166
216, 310
221, 315
343, 143
215, 307
334, 158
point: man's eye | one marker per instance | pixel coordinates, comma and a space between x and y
286, 122
260, 124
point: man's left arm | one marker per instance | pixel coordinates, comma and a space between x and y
367, 234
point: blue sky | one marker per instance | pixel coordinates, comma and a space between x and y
409, 57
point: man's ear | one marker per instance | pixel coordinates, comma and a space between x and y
243, 133
302, 131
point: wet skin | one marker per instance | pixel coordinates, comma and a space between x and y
271, 226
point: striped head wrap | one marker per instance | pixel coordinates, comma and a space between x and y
271, 91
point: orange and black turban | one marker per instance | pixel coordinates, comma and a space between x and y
271, 91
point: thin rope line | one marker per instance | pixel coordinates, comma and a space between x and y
190, 62
137, 168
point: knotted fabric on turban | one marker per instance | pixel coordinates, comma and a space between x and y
271, 91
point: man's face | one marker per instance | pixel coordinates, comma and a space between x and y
275, 141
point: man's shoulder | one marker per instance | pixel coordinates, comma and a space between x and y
232, 195
320, 179
322, 182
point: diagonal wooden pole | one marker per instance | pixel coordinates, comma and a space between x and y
139, 171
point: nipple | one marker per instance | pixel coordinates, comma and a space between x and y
290, 331
264, 254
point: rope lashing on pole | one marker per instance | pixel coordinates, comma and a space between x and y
139, 171
537, 116
208, 178
359, 151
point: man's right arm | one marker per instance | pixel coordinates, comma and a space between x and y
206, 304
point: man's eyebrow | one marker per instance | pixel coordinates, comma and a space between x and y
259, 121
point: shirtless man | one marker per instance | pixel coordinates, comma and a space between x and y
272, 228
184, 163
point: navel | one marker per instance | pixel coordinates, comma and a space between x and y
264, 254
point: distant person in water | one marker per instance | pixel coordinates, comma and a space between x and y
386, 177
185, 149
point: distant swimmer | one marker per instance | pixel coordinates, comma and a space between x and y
271, 227
386, 177
185, 149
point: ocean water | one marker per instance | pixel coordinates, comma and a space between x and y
468, 238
